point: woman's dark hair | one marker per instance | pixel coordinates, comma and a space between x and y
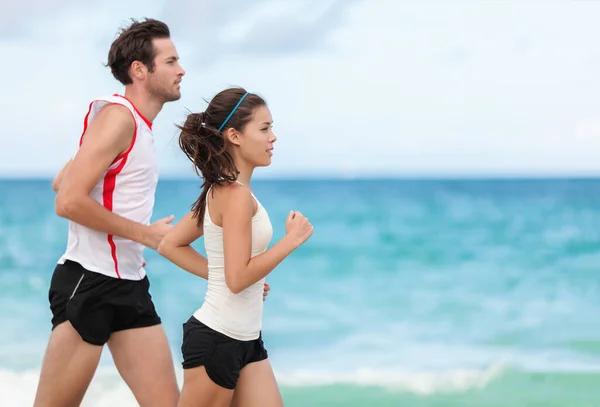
202, 140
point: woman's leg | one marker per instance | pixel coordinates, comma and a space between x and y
200, 391
257, 387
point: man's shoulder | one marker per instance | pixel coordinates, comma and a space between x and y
111, 100
114, 107
113, 121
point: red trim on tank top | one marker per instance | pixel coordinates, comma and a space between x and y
85, 123
110, 179
148, 122
110, 182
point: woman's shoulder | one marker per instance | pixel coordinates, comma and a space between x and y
233, 195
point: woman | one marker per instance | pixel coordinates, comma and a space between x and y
224, 358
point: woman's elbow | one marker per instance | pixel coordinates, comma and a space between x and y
167, 247
164, 248
233, 285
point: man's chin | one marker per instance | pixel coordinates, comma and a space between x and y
173, 97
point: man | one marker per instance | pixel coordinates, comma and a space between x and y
99, 293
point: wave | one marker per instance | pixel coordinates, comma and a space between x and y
424, 383
107, 388
368, 386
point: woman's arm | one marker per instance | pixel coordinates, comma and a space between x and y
242, 270
175, 246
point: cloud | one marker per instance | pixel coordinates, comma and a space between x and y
359, 88
18, 17
216, 29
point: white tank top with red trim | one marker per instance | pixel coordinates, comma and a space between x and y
127, 189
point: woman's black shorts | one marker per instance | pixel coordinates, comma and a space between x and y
222, 357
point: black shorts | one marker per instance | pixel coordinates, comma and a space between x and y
98, 305
222, 357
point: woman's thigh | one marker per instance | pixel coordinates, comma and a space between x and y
200, 391
257, 387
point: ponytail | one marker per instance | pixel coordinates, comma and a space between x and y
205, 147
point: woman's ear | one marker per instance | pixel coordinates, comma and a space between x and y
233, 136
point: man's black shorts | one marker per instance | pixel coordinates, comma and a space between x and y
98, 305
222, 357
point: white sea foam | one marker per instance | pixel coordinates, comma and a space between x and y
424, 383
17, 389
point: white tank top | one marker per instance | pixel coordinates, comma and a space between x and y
127, 188
238, 316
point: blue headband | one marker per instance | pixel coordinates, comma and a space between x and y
233, 111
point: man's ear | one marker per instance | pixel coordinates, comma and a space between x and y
138, 70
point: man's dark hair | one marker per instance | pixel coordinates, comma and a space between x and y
134, 43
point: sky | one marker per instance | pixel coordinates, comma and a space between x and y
357, 88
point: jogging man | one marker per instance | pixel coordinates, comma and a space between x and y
99, 293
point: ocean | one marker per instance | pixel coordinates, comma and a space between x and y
420, 293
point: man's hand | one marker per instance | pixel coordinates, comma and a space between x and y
158, 230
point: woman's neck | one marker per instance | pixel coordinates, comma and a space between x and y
244, 173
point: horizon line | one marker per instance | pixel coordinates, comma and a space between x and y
366, 177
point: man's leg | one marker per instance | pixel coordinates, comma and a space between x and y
67, 370
70, 360
144, 360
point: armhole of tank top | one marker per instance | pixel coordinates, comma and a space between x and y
125, 153
258, 205
207, 211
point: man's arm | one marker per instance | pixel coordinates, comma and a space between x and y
107, 136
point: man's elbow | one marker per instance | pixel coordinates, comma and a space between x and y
66, 207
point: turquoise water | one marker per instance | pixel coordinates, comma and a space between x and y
410, 293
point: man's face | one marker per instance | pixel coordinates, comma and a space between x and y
164, 81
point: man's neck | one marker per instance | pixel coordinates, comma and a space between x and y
148, 106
